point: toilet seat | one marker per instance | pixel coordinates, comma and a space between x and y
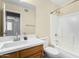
51, 50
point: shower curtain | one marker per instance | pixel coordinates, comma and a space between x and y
64, 31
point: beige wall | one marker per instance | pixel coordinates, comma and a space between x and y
71, 8
27, 18
43, 9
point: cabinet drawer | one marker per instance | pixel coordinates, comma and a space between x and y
11, 55
31, 51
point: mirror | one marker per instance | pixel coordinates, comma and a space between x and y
18, 18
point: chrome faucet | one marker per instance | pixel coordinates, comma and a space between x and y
16, 38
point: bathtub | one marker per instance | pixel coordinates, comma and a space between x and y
57, 52
54, 51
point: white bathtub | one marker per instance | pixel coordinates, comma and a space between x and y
56, 52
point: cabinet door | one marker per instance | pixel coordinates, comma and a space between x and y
31, 51
37, 55
11, 55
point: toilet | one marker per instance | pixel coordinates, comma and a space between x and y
50, 52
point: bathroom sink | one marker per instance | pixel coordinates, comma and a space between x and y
8, 47
3, 43
18, 44
13, 44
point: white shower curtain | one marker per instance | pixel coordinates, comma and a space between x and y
67, 29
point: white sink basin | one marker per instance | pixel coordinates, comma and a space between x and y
13, 44
3, 43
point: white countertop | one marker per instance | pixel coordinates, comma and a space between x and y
19, 45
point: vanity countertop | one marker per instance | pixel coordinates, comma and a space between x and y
19, 45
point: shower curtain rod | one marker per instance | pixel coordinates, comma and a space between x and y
64, 6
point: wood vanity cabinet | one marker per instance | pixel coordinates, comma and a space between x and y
33, 52
10, 55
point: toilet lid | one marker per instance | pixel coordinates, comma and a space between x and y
51, 50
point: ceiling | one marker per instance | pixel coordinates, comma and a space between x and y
22, 3
19, 3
